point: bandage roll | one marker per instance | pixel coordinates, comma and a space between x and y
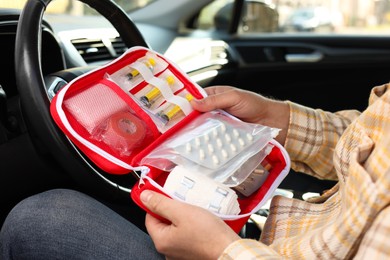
197, 189
124, 132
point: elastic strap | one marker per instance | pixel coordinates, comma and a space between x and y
183, 103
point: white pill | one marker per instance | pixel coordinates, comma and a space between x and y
219, 142
215, 132
188, 147
224, 153
206, 137
228, 138
241, 141
215, 159
197, 141
202, 155
236, 133
249, 137
210, 147
233, 147
223, 128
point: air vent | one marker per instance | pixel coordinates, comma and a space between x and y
118, 45
218, 53
94, 50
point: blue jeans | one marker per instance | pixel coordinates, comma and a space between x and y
66, 224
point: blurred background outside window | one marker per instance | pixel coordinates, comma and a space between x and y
330, 16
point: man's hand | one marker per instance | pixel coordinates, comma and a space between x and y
248, 106
193, 232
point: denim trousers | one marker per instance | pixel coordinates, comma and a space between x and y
67, 224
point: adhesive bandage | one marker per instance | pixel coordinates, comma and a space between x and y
124, 131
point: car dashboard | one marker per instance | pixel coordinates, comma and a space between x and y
51, 53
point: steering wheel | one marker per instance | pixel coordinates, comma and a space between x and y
49, 141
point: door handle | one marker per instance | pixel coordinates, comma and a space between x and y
304, 57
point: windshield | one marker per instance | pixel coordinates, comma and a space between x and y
259, 16
306, 13
75, 7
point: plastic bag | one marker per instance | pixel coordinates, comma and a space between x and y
216, 144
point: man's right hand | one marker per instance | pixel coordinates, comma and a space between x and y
247, 106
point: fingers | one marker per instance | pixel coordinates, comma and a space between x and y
219, 97
161, 205
154, 225
158, 230
213, 90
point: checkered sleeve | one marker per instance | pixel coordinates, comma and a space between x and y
376, 243
312, 137
248, 249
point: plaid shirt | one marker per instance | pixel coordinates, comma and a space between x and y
349, 221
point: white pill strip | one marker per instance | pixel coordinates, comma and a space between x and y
215, 147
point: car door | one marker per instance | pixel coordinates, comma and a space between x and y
332, 70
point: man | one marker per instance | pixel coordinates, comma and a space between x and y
351, 220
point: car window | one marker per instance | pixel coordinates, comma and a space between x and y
269, 16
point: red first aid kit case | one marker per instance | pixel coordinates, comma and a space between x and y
135, 114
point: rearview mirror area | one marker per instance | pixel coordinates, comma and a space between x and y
257, 16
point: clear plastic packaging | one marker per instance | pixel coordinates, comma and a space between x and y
142, 69
173, 110
158, 90
216, 144
108, 118
93, 105
123, 132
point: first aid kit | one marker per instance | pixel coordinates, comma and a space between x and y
134, 114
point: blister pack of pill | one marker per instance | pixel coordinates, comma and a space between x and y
216, 146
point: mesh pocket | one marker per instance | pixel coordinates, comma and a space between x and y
94, 105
